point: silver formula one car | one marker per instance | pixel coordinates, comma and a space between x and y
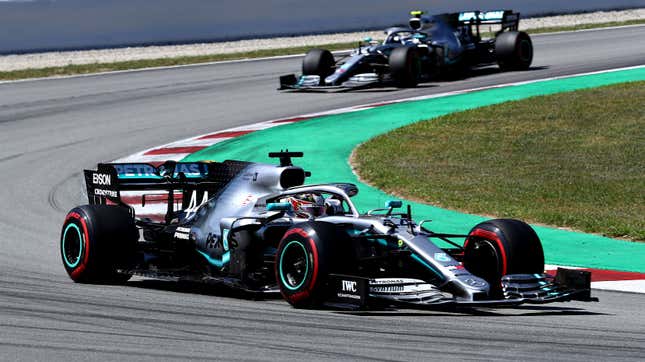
257, 227
430, 47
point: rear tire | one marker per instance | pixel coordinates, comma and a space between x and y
498, 247
514, 50
405, 67
95, 241
318, 62
307, 254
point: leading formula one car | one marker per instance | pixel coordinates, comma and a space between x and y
257, 227
429, 47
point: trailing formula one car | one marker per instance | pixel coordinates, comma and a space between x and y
429, 47
259, 228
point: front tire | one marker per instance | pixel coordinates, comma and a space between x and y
95, 241
318, 62
514, 50
405, 67
307, 254
498, 247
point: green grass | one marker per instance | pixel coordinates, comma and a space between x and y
162, 62
571, 160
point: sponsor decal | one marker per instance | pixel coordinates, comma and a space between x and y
135, 170
181, 236
182, 233
442, 257
349, 286
108, 193
191, 169
101, 179
212, 240
390, 281
392, 287
350, 289
142, 170
350, 296
225, 239
483, 16
387, 289
475, 282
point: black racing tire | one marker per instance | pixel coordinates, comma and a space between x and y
318, 62
514, 50
306, 255
405, 67
95, 241
498, 247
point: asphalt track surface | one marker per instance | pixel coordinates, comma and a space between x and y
52, 129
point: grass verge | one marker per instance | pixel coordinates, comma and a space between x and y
570, 160
164, 62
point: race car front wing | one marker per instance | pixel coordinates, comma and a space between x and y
347, 291
313, 82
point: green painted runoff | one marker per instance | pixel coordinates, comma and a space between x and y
328, 141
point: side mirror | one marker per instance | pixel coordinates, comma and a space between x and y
393, 204
279, 206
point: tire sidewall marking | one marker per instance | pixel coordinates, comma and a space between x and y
295, 297
491, 236
284, 282
72, 225
76, 273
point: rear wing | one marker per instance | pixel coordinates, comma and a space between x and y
507, 18
104, 185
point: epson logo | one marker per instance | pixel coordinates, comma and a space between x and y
101, 179
349, 286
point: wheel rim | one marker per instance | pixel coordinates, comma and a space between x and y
525, 51
483, 260
294, 265
72, 247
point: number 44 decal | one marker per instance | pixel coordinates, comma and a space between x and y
193, 205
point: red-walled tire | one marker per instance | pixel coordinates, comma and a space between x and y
498, 247
307, 254
95, 241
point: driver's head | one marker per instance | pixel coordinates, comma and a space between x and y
420, 23
307, 204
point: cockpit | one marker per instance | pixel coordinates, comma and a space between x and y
405, 36
317, 201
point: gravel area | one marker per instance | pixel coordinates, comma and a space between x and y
55, 59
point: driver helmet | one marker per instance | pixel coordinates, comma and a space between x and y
307, 204
420, 23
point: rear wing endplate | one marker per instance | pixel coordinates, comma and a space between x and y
102, 185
